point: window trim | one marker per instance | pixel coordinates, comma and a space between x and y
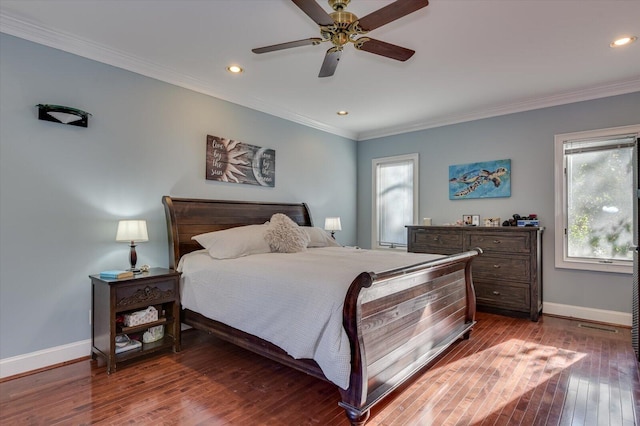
560, 207
374, 201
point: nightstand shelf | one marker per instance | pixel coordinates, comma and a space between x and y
112, 298
141, 327
147, 348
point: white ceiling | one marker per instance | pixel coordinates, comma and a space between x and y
474, 58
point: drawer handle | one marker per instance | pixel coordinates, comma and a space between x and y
496, 266
496, 241
496, 293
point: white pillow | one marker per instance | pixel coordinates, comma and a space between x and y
318, 237
284, 235
235, 242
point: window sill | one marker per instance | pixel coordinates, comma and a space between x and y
616, 268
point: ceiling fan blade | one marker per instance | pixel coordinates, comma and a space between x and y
314, 11
391, 12
384, 49
288, 45
330, 62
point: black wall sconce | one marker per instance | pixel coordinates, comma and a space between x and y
63, 114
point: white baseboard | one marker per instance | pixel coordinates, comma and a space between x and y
59, 354
44, 358
589, 314
47, 357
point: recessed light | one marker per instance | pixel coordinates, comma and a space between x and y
623, 41
234, 69
342, 112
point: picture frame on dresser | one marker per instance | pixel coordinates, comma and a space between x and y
471, 219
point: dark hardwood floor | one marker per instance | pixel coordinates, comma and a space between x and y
511, 372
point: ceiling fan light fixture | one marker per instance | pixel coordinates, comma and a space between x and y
235, 69
341, 27
623, 41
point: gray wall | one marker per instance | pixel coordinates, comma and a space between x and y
64, 188
527, 139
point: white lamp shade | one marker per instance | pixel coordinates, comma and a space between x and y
332, 224
132, 230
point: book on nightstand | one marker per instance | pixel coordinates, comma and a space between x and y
116, 274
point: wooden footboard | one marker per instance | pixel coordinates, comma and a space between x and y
399, 321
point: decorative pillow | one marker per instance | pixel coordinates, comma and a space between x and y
235, 242
284, 235
318, 237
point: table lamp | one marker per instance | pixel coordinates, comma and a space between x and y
133, 231
332, 224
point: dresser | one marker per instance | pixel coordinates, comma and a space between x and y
507, 277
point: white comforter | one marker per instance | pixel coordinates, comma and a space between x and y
248, 293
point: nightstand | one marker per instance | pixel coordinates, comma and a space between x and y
113, 298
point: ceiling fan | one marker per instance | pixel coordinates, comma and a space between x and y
341, 27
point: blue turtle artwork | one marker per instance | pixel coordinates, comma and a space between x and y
489, 179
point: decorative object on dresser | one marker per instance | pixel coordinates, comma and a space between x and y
507, 277
132, 231
517, 220
433, 300
152, 297
492, 221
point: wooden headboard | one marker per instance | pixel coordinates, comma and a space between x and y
187, 217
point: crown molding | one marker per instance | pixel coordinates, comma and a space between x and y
72, 44
613, 89
85, 48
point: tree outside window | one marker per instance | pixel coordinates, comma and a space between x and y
595, 191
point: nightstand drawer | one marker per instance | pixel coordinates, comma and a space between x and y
516, 268
136, 295
511, 296
435, 241
500, 242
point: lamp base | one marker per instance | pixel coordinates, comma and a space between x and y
133, 259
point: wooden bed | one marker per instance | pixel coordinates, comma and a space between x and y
391, 333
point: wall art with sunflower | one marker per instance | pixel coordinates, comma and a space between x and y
233, 161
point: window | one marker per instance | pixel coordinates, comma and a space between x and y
395, 199
595, 181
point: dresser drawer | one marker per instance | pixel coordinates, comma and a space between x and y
504, 296
519, 242
435, 241
516, 268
